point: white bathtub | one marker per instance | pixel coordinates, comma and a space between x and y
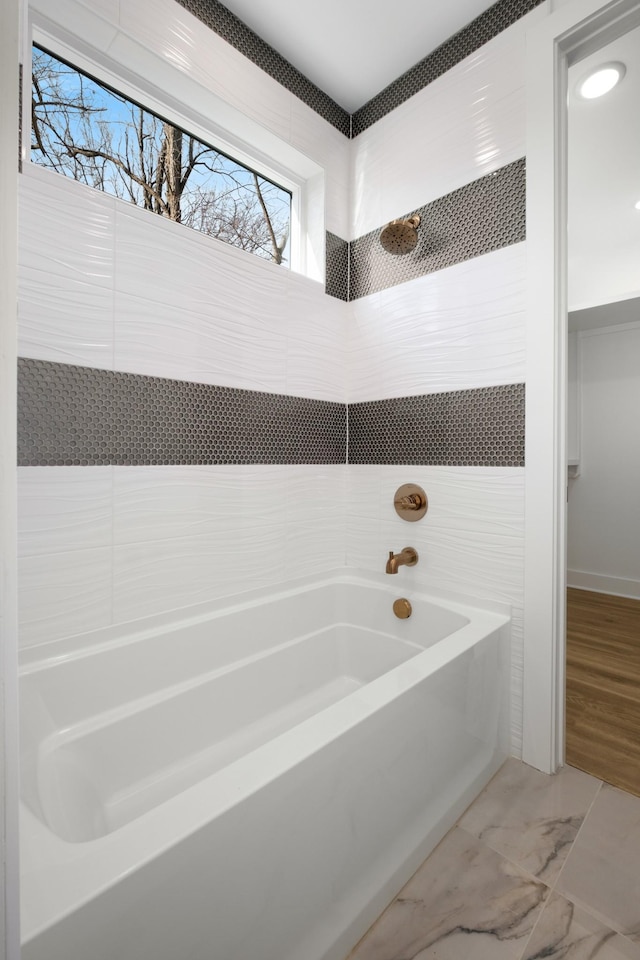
256, 781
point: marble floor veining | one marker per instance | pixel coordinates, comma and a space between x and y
538, 867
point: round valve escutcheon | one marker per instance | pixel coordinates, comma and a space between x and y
410, 502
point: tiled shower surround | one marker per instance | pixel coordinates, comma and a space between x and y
148, 304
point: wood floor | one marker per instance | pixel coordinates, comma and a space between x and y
603, 687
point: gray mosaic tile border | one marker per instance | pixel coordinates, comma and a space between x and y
71, 415
81, 416
470, 428
481, 216
336, 267
239, 35
488, 25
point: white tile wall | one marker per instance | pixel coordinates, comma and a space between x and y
471, 541
165, 27
455, 329
64, 509
471, 538
465, 124
66, 271
95, 23
183, 571
187, 534
61, 594
459, 328
107, 285
103, 545
109, 9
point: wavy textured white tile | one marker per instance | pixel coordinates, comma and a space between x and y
315, 317
62, 594
365, 492
187, 534
176, 502
109, 9
170, 31
313, 546
169, 263
365, 543
365, 359
160, 340
63, 508
64, 320
316, 357
180, 572
476, 565
470, 542
472, 538
80, 20
308, 493
465, 124
73, 224
517, 679
458, 328
65, 271
314, 374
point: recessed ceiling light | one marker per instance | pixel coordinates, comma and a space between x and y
637, 205
600, 80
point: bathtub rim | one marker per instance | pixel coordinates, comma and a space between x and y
51, 885
45, 653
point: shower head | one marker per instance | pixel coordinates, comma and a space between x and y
400, 236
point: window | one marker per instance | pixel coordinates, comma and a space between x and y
90, 133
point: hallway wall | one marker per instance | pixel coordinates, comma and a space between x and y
603, 514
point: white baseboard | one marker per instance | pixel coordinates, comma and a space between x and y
616, 586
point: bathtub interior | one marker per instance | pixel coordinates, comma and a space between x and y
114, 767
110, 735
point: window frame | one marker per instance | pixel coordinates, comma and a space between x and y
117, 75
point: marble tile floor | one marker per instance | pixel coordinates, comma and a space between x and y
538, 867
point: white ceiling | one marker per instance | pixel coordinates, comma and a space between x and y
353, 49
604, 182
605, 315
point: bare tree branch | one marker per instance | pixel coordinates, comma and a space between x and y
86, 132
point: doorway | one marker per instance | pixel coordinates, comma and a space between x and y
603, 396
574, 31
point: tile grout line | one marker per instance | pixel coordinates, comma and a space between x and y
551, 887
579, 831
606, 921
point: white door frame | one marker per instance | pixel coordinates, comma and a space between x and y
572, 32
9, 892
